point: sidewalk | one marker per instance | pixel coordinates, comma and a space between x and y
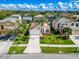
50, 45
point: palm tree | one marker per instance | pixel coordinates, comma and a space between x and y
67, 31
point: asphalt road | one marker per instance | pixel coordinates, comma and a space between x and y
40, 56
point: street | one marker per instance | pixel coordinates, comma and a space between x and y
40, 56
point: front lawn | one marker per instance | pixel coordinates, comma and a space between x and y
16, 50
22, 40
54, 39
60, 50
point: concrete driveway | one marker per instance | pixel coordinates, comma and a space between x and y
76, 41
4, 46
34, 41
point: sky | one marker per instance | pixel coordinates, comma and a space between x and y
41, 5
28, 1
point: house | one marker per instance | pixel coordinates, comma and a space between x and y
74, 26
62, 23
9, 23
64, 14
37, 17
33, 25
45, 29
27, 18
76, 17
34, 29
18, 17
59, 22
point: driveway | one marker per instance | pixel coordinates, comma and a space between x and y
75, 40
4, 46
34, 41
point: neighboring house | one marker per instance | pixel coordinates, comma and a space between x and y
74, 26
27, 18
64, 14
9, 23
45, 29
63, 23
77, 17
18, 17
59, 22
37, 17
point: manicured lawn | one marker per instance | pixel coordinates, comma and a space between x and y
24, 36
54, 39
21, 40
16, 50
60, 50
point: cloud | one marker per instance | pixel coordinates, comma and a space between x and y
50, 3
50, 6
43, 6
76, 5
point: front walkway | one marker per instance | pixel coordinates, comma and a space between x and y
34, 42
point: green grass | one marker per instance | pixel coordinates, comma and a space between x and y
16, 50
62, 49
21, 40
24, 36
54, 39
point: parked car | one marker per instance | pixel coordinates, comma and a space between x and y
6, 37
12, 37
2, 36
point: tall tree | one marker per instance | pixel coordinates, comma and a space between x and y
67, 31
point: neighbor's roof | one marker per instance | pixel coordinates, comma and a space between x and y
62, 20
15, 15
76, 15
11, 19
39, 16
8, 19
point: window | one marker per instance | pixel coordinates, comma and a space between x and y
72, 24
76, 24
2, 27
42, 30
64, 24
15, 17
78, 20
47, 31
